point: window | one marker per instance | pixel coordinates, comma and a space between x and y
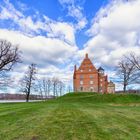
91, 82
89, 69
81, 70
81, 76
81, 88
101, 84
91, 89
81, 82
101, 80
100, 88
91, 76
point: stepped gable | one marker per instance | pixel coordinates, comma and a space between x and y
87, 78
86, 65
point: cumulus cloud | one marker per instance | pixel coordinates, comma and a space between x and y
114, 31
62, 30
9, 11
40, 49
53, 57
36, 24
48, 43
75, 11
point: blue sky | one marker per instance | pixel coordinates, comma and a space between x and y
56, 34
57, 11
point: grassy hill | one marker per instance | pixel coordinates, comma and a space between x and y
83, 116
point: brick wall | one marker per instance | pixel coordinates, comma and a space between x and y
87, 78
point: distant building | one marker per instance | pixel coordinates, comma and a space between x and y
111, 87
89, 79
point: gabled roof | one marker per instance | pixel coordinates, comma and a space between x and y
87, 64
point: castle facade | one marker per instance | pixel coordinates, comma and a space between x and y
89, 79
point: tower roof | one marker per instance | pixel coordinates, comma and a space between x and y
100, 68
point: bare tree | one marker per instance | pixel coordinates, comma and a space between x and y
9, 55
69, 88
49, 85
28, 80
39, 87
127, 72
54, 86
6, 81
133, 58
61, 87
44, 86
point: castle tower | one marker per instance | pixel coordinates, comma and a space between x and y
89, 79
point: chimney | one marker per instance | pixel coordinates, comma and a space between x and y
86, 55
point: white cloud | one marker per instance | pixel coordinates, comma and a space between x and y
53, 51
40, 48
9, 11
115, 31
53, 56
75, 11
62, 30
27, 25
66, 1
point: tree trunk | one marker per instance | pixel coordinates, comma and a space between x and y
28, 94
124, 88
27, 97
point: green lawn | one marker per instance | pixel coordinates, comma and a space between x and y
82, 116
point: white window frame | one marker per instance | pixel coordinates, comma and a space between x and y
81, 82
91, 82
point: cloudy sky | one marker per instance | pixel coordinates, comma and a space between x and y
56, 34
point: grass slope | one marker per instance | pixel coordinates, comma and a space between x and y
83, 116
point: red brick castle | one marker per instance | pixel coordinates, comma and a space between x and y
89, 79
